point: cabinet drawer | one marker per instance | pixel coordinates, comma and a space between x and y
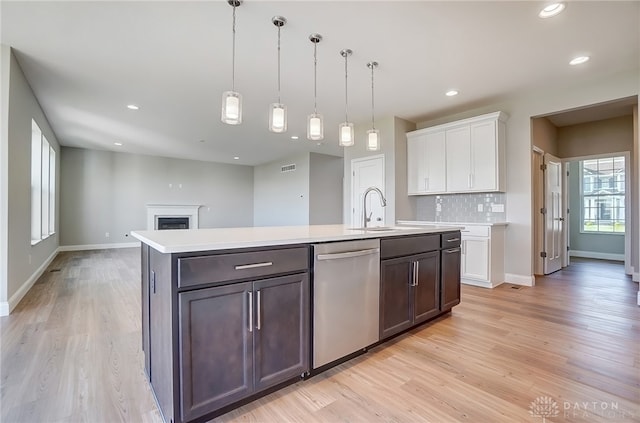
407, 245
229, 267
450, 240
476, 230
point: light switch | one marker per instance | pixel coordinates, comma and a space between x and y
497, 208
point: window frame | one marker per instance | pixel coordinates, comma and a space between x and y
43, 186
593, 181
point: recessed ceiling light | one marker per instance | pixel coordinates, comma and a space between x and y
294, 137
451, 93
133, 107
579, 60
236, 158
551, 9
117, 143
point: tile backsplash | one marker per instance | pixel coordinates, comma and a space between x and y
475, 208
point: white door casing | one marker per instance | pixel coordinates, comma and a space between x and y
554, 216
367, 172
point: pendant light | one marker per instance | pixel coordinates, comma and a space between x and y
278, 111
346, 134
315, 124
373, 135
232, 100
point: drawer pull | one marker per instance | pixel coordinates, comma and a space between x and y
453, 240
254, 265
453, 250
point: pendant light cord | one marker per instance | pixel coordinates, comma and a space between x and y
373, 124
315, 78
233, 52
279, 64
346, 98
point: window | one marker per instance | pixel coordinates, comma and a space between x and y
43, 186
603, 191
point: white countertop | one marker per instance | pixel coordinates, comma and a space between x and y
187, 240
427, 223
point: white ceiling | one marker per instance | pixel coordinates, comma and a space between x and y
87, 60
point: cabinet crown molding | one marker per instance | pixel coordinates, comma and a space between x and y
499, 116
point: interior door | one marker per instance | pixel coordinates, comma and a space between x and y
367, 172
554, 216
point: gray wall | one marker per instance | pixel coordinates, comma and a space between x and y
545, 135
23, 259
5, 61
593, 243
281, 198
104, 191
520, 108
325, 188
406, 206
603, 136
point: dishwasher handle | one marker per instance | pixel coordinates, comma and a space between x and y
348, 254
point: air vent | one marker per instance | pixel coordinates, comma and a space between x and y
288, 168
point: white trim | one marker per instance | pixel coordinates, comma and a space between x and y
482, 284
596, 255
524, 280
7, 307
87, 247
635, 277
154, 211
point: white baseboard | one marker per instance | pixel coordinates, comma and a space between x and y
596, 255
524, 280
98, 246
7, 307
482, 284
635, 277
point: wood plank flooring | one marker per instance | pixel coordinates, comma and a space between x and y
71, 352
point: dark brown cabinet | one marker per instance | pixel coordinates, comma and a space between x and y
239, 339
450, 278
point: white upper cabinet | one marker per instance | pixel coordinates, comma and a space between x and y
462, 156
426, 163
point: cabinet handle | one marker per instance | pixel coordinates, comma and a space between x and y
253, 266
426, 184
417, 279
453, 250
250, 311
258, 311
453, 240
470, 181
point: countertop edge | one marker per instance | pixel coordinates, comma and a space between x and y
426, 222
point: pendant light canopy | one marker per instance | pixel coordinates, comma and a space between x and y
315, 124
373, 135
277, 110
346, 133
232, 100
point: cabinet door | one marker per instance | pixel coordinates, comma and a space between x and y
450, 279
281, 335
416, 153
458, 159
484, 166
435, 156
395, 296
216, 348
426, 292
475, 258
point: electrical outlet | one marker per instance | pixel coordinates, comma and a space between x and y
480, 207
106, 234
497, 208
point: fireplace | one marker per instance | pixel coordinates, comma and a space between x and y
170, 216
173, 223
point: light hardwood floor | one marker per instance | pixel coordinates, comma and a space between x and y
71, 352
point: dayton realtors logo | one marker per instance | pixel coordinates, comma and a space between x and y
544, 407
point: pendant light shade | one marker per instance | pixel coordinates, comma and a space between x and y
315, 121
277, 110
346, 132
232, 100
373, 135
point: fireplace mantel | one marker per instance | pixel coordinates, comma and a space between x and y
154, 211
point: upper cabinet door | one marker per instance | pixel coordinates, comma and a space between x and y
458, 147
426, 164
484, 163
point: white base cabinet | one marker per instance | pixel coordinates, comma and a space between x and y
482, 255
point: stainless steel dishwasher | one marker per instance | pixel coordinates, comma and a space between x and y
346, 297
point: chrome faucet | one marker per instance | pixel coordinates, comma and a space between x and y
383, 203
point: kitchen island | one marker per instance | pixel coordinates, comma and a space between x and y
228, 314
